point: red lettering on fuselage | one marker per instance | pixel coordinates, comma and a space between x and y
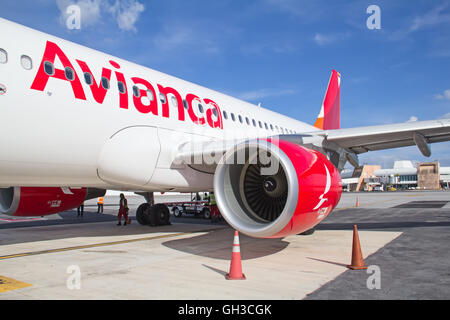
51, 52
211, 108
167, 91
123, 100
217, 123
98, 91
190, 98
143, 108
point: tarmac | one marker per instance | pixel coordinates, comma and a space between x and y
404, 238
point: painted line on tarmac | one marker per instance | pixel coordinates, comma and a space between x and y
104, 244
375, 202
8, 284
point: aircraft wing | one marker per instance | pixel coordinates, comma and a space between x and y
364, 139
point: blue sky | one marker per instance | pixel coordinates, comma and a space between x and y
280, 52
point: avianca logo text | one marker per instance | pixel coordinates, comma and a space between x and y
141, 89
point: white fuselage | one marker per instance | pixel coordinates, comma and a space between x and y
50, 137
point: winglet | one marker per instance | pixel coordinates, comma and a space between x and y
330, 115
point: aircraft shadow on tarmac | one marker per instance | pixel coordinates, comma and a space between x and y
217, 244
87, 228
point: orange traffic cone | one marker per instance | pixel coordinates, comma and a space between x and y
357, 258
357, 202
235, 265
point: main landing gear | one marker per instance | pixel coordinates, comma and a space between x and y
152, 214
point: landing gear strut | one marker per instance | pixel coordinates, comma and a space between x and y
152, 214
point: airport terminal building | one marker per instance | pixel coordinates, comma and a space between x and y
404, 175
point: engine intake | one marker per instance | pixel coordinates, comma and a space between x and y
274, 188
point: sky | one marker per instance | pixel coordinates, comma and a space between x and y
280, 53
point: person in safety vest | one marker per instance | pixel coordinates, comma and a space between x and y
215, 213
100, 205
123, 211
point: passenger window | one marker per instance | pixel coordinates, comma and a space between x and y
105, 83
254, 122
260, 124
49, 68
185, 104
271, 127
69, 73
121, 87
150, 95
175, 102
215, 113
265, 125
26, 62
200, 108
3, 56
162, 97
136, 92
247, 120
233, 117
240, 119
225, 115
88, 78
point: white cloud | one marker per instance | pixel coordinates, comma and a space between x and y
413, 119
90, 11
443, 96
326, 39
125, 12
264, 93
190, 36
174, 37
434, 17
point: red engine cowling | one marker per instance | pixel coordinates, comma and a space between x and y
274, 188
33, 201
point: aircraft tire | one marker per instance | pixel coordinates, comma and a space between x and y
142, 214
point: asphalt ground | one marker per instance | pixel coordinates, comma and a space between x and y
404, 239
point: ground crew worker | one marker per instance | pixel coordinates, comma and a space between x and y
80, 209
123, 210
196, 197
213, 205
205, 196
100, 205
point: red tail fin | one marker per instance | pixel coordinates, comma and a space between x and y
330, 114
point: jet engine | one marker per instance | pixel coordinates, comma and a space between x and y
273, 188
40, 201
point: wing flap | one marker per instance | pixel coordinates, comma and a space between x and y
364, 139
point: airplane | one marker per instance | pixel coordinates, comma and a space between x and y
75, 122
